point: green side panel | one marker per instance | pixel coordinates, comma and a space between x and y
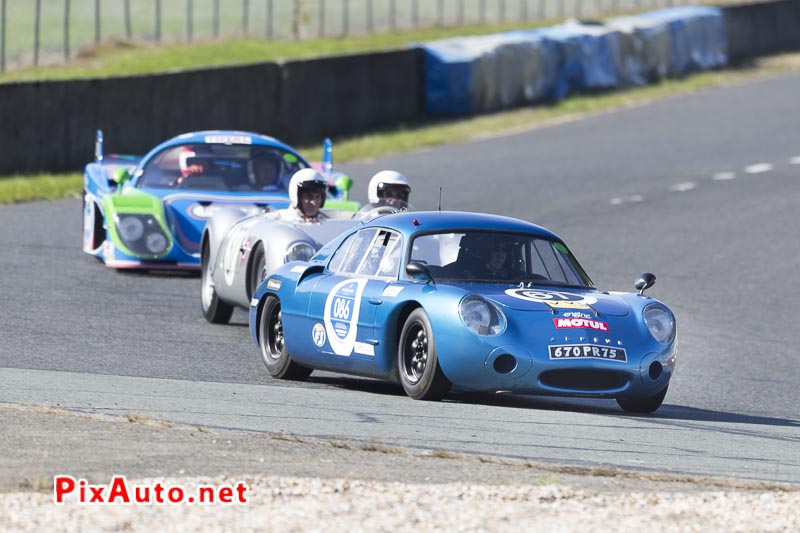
346, 205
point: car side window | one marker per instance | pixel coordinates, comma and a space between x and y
352, 251
382, 257
390, 263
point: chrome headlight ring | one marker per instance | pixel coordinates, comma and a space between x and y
660, 322
299, 251
481, 316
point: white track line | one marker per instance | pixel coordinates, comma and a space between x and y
683, 187
724, 176
795, 160
633, 199
758, 168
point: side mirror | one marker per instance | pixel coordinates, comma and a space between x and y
418, 270
121, 175
344, 184
644, 282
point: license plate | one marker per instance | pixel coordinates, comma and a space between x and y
584, 351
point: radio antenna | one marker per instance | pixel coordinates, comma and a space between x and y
440, 199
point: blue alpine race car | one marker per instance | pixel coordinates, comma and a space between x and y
150, 211
479, 302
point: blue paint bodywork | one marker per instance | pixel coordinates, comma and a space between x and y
469, 360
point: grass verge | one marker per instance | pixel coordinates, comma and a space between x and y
16, 189
117, 57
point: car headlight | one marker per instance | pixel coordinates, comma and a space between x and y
141, 234
481, 316
660, 322
299, 251
130, 228
156, 243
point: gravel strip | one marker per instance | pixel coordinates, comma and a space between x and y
313, 485
303, 504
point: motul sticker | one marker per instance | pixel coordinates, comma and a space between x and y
562, 323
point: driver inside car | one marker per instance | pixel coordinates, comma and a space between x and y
191, 164
496, 264
485, 257
307, 191
264, 172
389, 188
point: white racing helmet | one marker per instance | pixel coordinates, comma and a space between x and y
385, 180
306, 180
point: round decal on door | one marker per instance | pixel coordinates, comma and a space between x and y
318, 335
341, 315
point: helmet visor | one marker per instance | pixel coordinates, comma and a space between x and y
397, 192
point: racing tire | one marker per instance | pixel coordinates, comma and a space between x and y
643, 405
215, 310
273, 348
417, 359
257, 274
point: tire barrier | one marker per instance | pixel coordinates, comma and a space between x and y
483, 73
550, 63
49, 126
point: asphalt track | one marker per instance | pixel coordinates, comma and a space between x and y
702, 189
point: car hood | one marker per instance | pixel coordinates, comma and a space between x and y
559, 299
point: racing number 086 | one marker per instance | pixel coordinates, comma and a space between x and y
341, 308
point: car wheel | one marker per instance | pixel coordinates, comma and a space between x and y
418, 362
215, 310
643, 405
273, 348
258, 269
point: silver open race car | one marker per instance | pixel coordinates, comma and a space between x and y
239, 250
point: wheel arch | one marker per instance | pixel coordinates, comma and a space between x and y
248, 275
260, 310
393, 336
205, 241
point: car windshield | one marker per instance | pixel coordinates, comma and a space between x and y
497, 257
221, 167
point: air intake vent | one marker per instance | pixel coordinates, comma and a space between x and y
583, 380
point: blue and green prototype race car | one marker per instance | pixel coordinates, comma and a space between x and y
149, 212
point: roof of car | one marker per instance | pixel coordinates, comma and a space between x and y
437, 221
225, 137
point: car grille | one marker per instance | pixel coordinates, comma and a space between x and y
583, 380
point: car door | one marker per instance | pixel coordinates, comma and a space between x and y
342, 307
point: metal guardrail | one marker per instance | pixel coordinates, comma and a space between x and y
48, 32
